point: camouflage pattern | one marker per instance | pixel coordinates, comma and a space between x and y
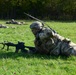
3, 26
36, 25
49, 42
15, 22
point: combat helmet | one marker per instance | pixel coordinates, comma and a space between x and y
36, 25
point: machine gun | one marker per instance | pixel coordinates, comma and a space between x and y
7, 44
18, 46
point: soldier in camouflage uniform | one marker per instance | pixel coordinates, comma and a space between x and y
3, 26
47, 41
15, 22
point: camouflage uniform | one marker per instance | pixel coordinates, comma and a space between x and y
2, 26
14, 22
47, 41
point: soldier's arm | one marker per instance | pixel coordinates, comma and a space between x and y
46, 33
62, 38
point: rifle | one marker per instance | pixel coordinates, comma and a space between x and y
40, 21
19, 45
7, 44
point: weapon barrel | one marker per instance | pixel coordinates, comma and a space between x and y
34, 17
38, 20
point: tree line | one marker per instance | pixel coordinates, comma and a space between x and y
42, 9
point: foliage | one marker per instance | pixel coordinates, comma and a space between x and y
44, 9
35, 64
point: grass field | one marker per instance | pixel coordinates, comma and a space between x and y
29, 64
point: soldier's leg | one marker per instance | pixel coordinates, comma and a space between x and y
67, 49
73, 51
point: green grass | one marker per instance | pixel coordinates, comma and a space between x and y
32, 64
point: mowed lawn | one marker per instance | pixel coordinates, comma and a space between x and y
34, 64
